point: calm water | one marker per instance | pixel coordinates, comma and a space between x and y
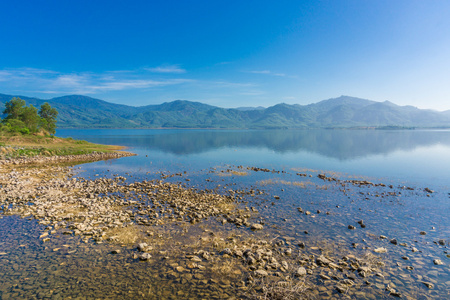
415, 159
413, 156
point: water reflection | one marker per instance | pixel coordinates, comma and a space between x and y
338, 144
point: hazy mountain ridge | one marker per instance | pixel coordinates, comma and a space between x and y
77, 111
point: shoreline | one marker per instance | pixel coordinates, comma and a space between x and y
90, 157
195, 236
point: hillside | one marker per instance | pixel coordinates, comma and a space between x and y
77, 111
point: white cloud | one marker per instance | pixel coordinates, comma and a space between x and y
167, 69
51, 82
267, 72
260, 72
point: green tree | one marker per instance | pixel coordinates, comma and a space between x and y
48, 115
15, 125
14, 108
30, 118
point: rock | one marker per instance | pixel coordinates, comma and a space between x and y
301, 245
423, 233
300, 272
380, 250
322, 261
428, 284
180, 269
256, 226
196, 259
438, 262
227, 251
393, 241
441, 242
251, 260
145, 256
116, 251
414, 249
324, 277
428, 190
261, 273
351, 227
142, 247
383, 237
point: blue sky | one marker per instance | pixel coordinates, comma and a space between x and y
228, 53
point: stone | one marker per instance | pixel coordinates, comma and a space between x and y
256, 226
393, 241
380, 250
428, 284
441, 242
438, 262
300, 272
322, 261
196, 259
115, 251
261, 273
351, 227
145, 256
227, 251
143, 247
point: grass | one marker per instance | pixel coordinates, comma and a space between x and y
32, 145
282, 290
125, 235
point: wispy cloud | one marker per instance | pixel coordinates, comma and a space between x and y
51, 82
267, 72
167, 69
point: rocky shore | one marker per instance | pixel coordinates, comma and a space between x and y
60, 159
202, 236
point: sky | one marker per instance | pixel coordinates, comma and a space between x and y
228, 53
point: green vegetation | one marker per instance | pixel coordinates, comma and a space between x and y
31, 145
26, 119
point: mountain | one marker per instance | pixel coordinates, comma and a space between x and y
246, 108
77, 111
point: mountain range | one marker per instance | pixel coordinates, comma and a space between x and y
77, 111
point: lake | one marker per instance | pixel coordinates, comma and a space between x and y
416, 156
314, 187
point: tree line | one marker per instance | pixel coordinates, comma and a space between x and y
27, 119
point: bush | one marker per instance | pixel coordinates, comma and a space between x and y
24, 130
14, 125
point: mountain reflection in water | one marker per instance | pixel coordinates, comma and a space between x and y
338, 144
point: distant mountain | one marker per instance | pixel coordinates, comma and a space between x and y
246, 108
77, 111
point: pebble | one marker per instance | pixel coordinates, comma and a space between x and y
256, 226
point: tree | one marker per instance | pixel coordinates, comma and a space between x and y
30, 118
14, 108
48, 115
